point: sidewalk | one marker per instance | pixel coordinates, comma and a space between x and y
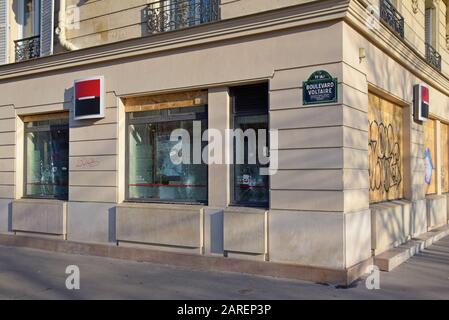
33, 274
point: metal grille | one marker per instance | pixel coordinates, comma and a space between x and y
168, 15
28, 48
433, 57
392, 18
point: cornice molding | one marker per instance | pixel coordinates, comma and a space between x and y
271, 21
352, 12
396, 48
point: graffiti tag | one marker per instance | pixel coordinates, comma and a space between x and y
385, 157
87, 163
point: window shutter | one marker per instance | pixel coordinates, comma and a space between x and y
429, 26
47, 26
3, 31
250, 98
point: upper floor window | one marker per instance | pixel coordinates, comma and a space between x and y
391, 17
430, 24
446, 21
167, 15
431, 35
29, 18
28, 45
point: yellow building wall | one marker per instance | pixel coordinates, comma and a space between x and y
107, 21
414, 25
99, 22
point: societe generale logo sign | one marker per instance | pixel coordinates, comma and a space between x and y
89, 96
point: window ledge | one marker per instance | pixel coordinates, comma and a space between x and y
435, 196
166, 206
238, 208
391, 203
41, 201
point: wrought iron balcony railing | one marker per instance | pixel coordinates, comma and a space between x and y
28, 48
392, 18
433, 57
168, 15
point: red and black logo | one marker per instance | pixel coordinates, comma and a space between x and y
89, 98
421, 102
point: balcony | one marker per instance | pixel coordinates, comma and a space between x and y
392, 18
169, 15
28, 48
433, 57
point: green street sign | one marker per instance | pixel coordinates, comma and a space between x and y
320, 88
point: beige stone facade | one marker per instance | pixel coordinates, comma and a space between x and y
321, 211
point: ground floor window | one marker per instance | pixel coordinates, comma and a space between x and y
250, 115
385, 150
47, 158
153, 175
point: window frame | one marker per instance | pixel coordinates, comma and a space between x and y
21, 19
42, 128
164, 117
429, 33
234, 114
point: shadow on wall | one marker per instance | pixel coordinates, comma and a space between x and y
10, 217
112, 224
216, 233
15, 9
68, 99
68, 95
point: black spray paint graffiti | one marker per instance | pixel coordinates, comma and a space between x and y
385, 157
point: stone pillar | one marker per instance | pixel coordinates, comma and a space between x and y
93, 182
319, 213
356, 212
10, 125
219, 110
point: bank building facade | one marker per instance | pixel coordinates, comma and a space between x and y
353, 95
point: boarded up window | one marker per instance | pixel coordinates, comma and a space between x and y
445, 157
430, 156
385, 141
166, 101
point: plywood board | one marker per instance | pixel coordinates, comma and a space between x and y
385, 145
47, 116
166, 101
430, 156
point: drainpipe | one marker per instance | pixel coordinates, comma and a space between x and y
60, 30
